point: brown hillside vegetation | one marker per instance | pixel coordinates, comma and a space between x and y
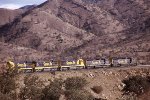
110, 81
92, 28
128, 83
8, 51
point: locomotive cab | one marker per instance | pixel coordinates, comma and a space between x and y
10, 65
21, 65
70, 63
81, 63
47, 64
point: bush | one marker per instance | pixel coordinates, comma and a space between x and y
97, 89
75, 89
75, 83
5, 96
32, 89
72, 88
53, 91
78, 95
35, 42
7, 82
136, 84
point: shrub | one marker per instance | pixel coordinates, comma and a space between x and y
75, 89
79, 36
78, 95
5, 96
7, 82
32, 89
54, 90
136, 84
75, 83
35, 42
97, 89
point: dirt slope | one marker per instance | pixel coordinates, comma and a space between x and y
110, 79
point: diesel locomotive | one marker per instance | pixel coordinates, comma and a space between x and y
70, 64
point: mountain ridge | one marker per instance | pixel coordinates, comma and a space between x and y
78, 28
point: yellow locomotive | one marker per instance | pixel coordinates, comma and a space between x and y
50, 65
10, 65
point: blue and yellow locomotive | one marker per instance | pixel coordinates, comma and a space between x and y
69, 64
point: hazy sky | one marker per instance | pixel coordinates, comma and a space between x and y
14, 4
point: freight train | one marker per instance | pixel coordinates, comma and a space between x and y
70, 64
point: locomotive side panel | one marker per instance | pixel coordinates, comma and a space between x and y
122, 61
95, 63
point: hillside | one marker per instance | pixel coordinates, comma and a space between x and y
28, 7
84, 28
8, 16
109, 79
17, 53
